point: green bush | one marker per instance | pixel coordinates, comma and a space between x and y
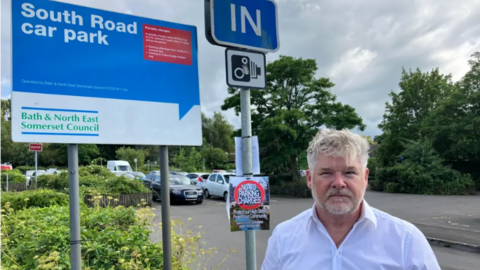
32, 198
421, 172
24, 169
14, 176
112, 238
372, 167
57, 182
120, 185
292, 189
100, 171
94, 183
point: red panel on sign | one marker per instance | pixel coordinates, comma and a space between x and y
35, 147
167, 45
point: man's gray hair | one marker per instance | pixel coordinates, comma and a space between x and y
338, 143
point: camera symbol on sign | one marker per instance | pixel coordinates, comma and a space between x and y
243, 69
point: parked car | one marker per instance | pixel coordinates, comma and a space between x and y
217, 185
150, 178
179, 173
199, 178
53, 171
30, 175
181, 190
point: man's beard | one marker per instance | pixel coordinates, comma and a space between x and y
338, 206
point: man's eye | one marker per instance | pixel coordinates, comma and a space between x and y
325, 173
351, 172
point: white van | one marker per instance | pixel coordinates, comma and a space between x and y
119, 167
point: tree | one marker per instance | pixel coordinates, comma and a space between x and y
130, 154
215, 158
454, 127
189, 162
218, 131
6, 109
86, 153
17, 154
287, 114
403, 119
370, 140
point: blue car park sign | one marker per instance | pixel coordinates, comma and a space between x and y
84, 75
247, 24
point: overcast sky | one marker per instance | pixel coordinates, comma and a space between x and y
360, 45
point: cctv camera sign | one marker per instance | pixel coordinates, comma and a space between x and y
245, 69
249, 203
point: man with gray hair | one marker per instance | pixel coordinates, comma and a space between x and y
342, 231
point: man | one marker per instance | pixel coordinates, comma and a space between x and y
342, 231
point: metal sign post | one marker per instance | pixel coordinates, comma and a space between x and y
165, 197
36, 167
250, 247
74, 198
36, 147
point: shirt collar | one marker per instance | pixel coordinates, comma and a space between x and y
367, 214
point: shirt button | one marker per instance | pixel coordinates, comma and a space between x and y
336, 253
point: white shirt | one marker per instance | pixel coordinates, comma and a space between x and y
376, 241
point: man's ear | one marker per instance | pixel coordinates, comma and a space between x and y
367, 172
309, 179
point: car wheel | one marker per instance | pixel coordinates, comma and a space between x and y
200, 202
207, 194
225, 196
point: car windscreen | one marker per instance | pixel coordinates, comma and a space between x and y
123, 168
179, 181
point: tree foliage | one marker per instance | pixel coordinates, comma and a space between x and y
218, 131
287, 114
431, 109
454, 126
130, 154
420, 93
421, 172
189, 162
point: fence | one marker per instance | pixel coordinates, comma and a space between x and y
16, 187
126, 200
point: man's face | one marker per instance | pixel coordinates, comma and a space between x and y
337, 187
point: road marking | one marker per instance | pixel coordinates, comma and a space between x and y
447, 227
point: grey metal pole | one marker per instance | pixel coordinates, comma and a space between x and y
7, 181
36, 167
250, 249
73, 184
165, 196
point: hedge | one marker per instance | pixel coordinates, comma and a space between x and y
94, 179
39, 238
32, 198
291, 189
14, 176
408, 177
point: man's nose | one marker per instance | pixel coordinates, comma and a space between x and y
338, 181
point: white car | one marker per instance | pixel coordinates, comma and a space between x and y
217, 185
30, 175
